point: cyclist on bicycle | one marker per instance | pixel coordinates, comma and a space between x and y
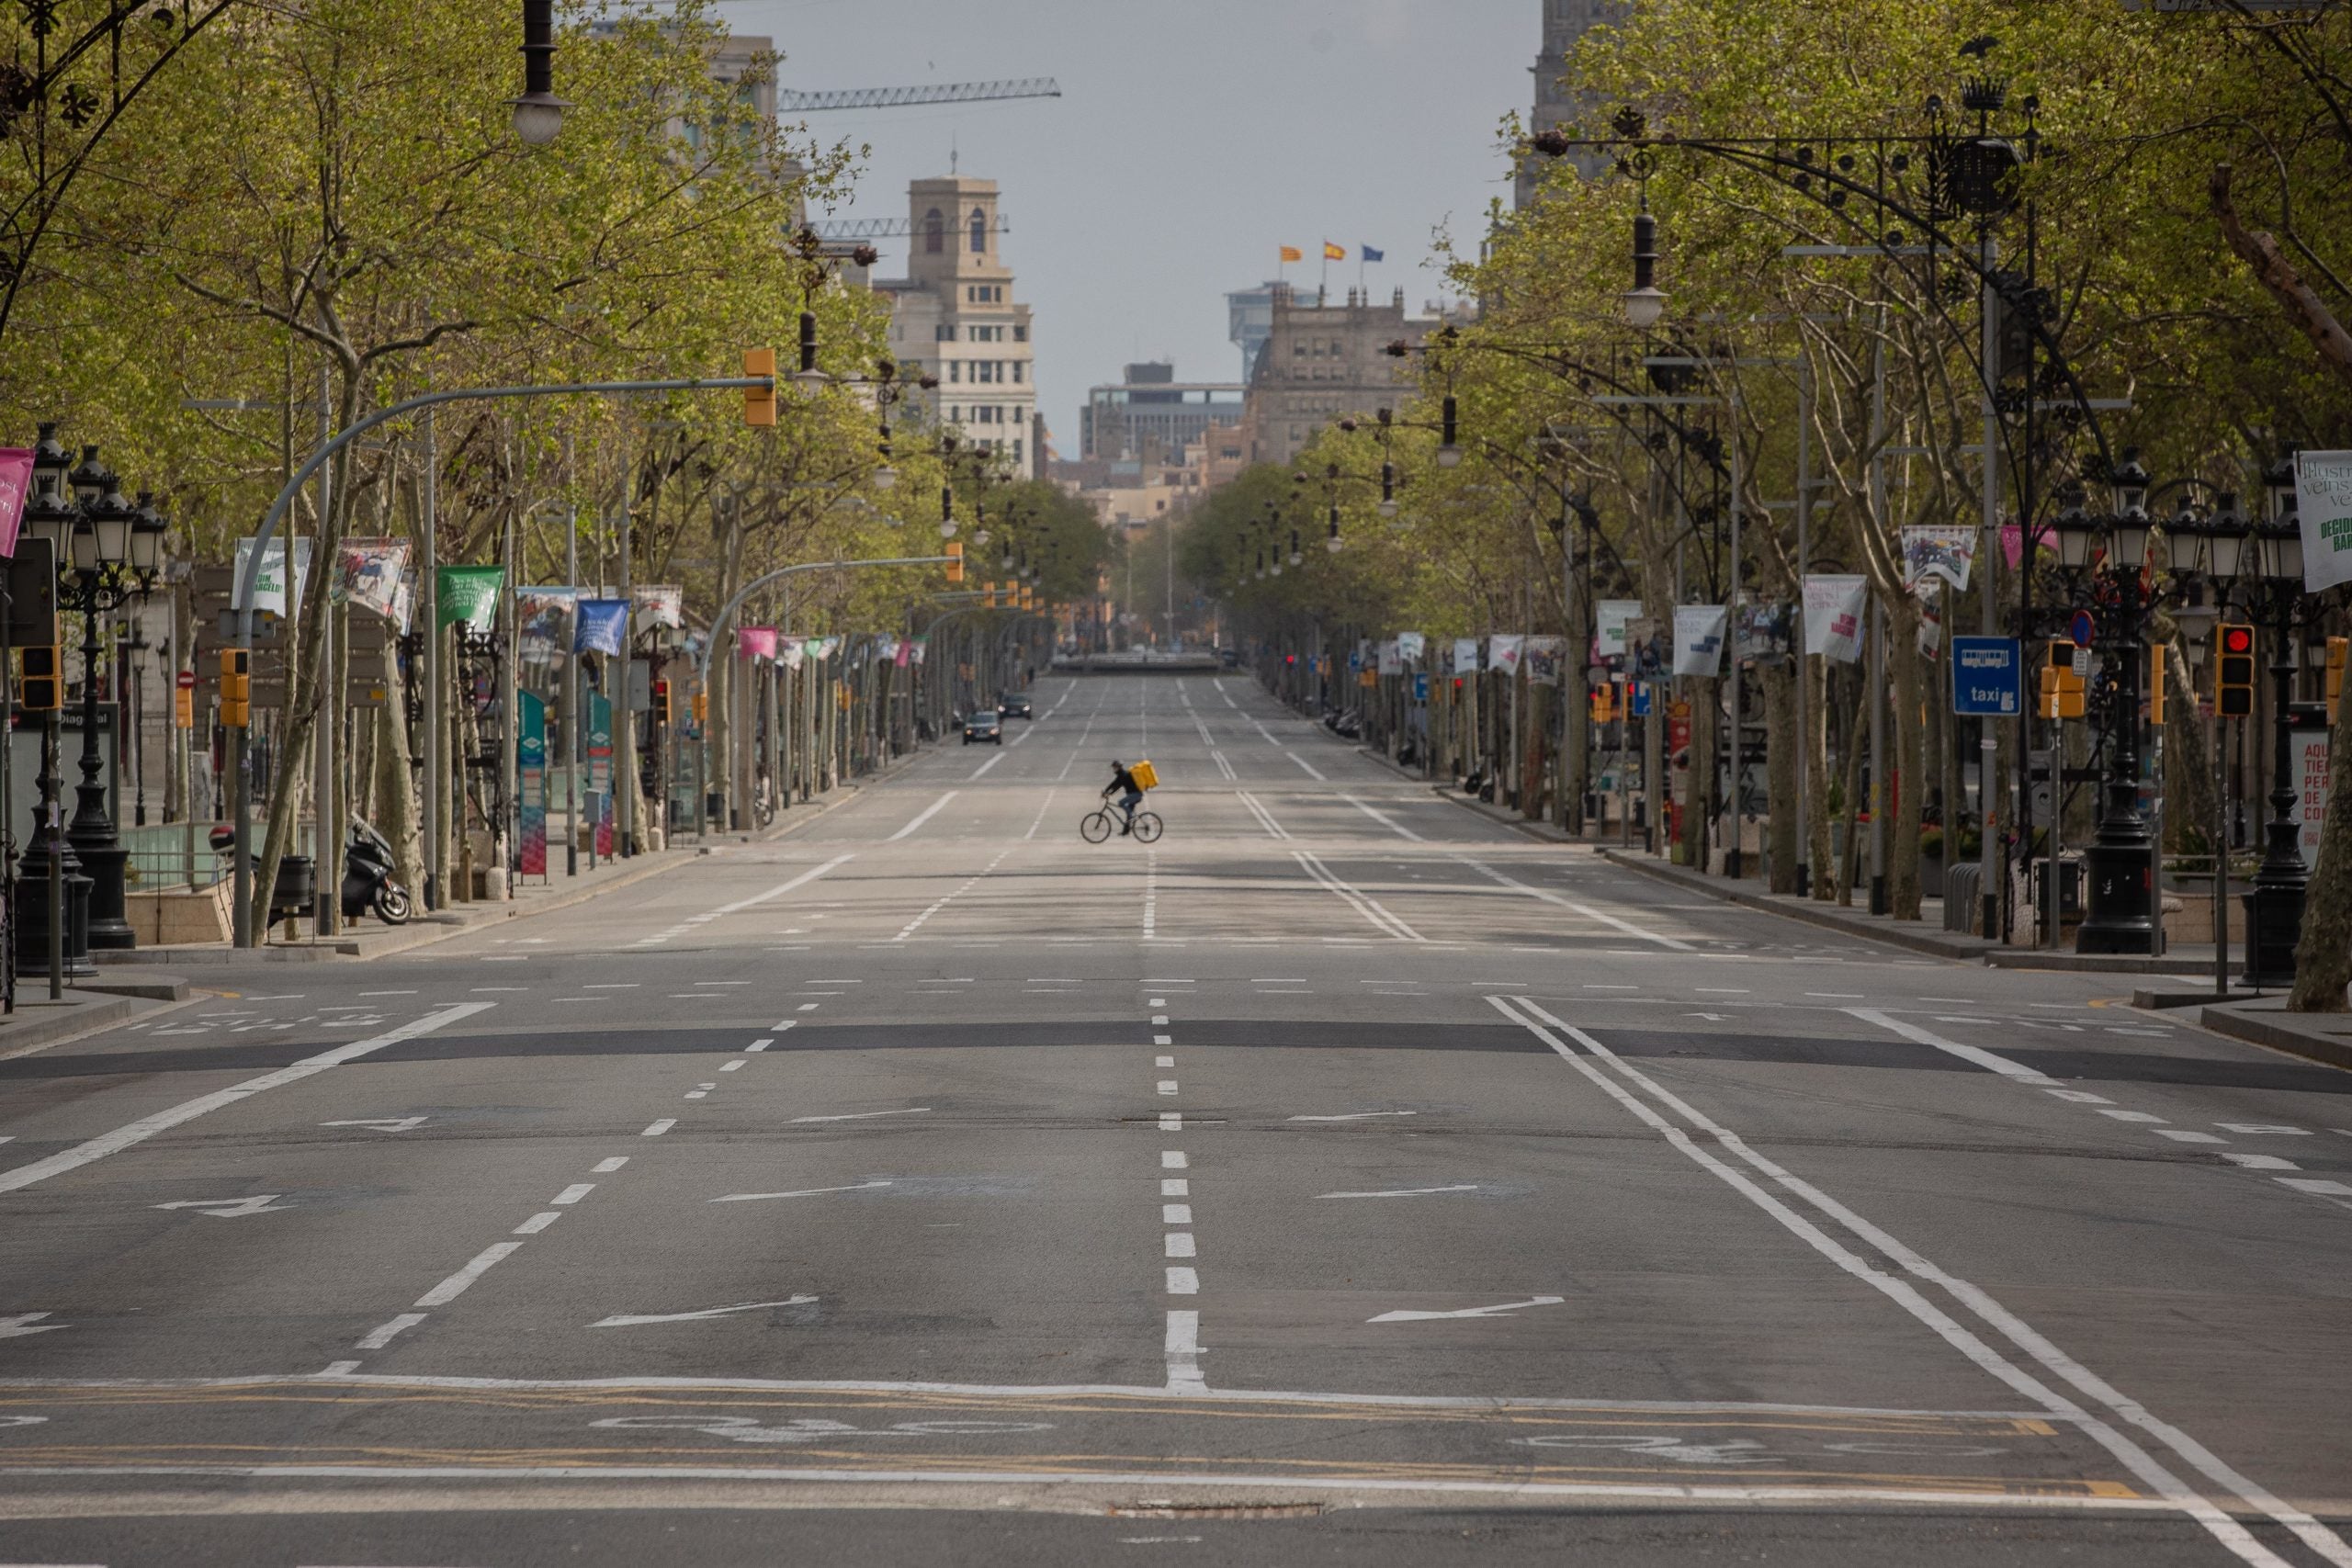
1122, 783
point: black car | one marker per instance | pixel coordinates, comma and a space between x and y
983, 724
1014, 704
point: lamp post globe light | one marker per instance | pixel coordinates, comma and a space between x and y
539, 113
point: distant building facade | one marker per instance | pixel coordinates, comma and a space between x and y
1324, 362
1556, 101
1152, 415
952, 316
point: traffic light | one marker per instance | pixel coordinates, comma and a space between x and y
1604, 704
759, 403
661, 704
236, 687
2234, 671
2061, 689
702, 707
184, 703
955, 560
42, 688
2336, 649
2156, 684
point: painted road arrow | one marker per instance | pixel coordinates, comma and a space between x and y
229, 1208
1467, 1311
27, 1322
625, 1320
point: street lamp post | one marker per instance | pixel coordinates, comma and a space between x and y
2274, 910
2118, 916
52, 913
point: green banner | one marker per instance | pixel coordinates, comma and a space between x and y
468, 594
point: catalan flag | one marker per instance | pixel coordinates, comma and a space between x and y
1334, 252
1291, 253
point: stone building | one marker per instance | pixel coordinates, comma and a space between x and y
953, 316
1150, 413
1323, 362
1557, 99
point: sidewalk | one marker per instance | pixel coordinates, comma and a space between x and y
38, 1023
369, 938
2317, 1036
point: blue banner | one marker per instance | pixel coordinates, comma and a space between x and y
600, 625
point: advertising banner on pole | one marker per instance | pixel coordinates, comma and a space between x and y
543, 617
369, 573
1934, 551
1410, 646
2310, 791
791, 651
1761, 633
755, 642
1609, 617
1465, 656
1502, 653
269, 587
599, 626
658, 605
1389, 661
16, 484
468, 595
599, 766
1543, 656
531, 795
1699, 640
1833, 615
2324, 506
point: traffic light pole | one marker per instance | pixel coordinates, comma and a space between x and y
2274, 910
250, 576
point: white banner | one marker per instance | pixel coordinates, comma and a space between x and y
1410, 646
1699, 640
1833, 616
2324, 505
1609, 617
1542, 656
1934, 552
269, 586
1465, 656
1502, 653
2310, 791
1390, 662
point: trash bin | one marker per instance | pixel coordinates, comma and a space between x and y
295, 895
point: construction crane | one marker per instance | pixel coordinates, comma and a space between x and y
791, 100
884, 228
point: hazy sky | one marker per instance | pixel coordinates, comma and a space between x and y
1190, 139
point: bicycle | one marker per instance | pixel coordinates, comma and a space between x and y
1099, 824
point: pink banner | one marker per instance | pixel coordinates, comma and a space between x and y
906, 653
755, 642
2010, 535
16, 483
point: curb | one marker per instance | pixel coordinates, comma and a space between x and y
2256, 1029
27, 1031
1914, 941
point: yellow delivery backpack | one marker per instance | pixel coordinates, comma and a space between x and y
1146, 775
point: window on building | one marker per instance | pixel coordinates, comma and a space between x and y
1020, 370
955, 371
1021, 335
1017, 458
944, 332
979, 232
934, 232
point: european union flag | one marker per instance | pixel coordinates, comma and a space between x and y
1371, 255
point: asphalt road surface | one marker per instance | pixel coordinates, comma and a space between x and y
1345, 1177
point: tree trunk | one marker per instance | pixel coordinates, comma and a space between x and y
1900, 794
1817, 766
1783, 754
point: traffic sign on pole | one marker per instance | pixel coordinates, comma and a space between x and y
1988, 676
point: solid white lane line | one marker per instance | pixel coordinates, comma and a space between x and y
1406, 1191
865, 1115
658, 1128
1222, 765
1384, 819
983, 768
384, 1333
1983, 1058
1353, 1116
632, 1320
459, 1283
1363, 903
1587, 910
1040, 820
925, 814
1266, 817
146, 1127
781, 888
1182, 1350
803, 1193
1313, 772
2258, 1162
2021, 1334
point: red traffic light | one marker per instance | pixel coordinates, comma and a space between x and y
2237, 639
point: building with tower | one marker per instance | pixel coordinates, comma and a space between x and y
1556, 99
952, 316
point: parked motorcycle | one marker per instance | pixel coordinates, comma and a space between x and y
367, 878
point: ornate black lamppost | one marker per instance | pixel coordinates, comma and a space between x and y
112, 555
51, 915
2119, 914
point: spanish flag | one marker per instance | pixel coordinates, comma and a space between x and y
1334, 252
1291, 253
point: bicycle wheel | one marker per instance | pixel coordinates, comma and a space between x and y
1094, 826
1147, 826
